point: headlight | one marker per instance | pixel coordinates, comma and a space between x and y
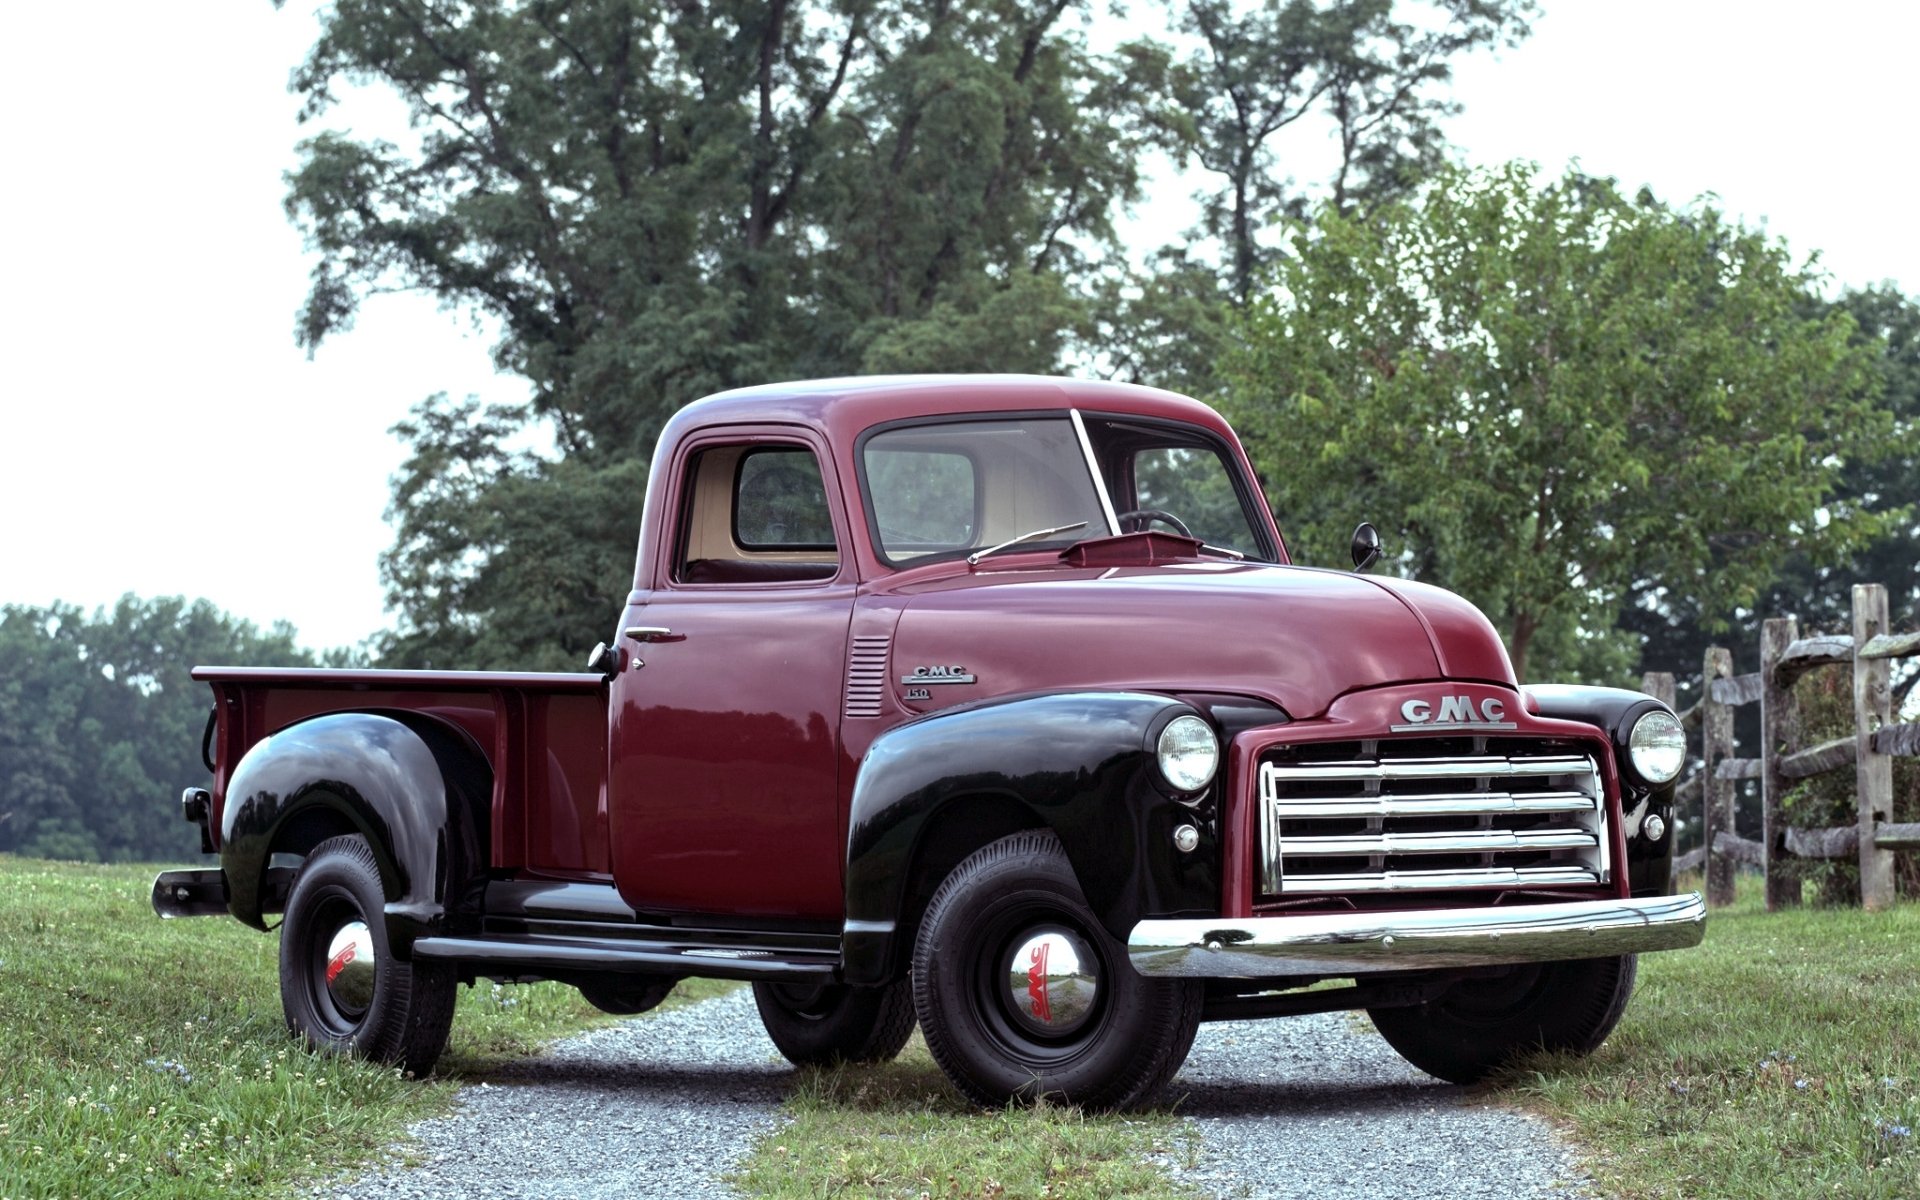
1188, 753
1658, 747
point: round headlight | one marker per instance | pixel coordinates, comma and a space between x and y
1188, 753
1658, 747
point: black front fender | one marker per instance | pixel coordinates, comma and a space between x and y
1613, 711
417, 790
1081, 764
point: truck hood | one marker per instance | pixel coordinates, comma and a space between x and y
1296, 637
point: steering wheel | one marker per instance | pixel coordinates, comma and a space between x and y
1136, 520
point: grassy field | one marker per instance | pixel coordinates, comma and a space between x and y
900, 1129
147, 1058
1779, 1059
141, 1057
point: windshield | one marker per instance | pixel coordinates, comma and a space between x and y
948, 489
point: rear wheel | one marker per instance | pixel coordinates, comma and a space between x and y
1468, 1031
818, 1024
341, 987
1022, 994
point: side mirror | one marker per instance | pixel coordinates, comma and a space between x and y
604, 661
1366, 546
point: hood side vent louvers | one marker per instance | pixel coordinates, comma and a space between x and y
866, 675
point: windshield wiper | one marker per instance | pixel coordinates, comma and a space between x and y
973, 560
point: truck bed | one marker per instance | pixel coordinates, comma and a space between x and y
544, 734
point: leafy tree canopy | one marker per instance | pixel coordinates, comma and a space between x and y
1548, 394
660, 200
100, 724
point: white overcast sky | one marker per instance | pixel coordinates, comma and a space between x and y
160, 434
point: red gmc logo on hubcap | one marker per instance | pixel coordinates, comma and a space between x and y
1037, 984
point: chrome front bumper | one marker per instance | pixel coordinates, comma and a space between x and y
1359, 943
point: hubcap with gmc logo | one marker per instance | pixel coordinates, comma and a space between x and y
1053, 980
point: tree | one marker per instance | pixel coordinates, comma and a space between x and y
1547, 393
1887, 326
100, 723
1253, 82
655, 200
660, 200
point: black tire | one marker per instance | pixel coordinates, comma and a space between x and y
397, 1013
818, 1024
1479, 1024
1113, 1052
627, 995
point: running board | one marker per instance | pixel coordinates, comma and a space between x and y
528, 952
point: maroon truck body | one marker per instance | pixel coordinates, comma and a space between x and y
881, 668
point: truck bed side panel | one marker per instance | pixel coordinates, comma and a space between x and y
543, 734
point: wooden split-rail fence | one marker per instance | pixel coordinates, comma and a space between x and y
1868, 752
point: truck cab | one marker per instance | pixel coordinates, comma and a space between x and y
988, 703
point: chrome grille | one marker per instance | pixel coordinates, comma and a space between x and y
866, 675
1430, 814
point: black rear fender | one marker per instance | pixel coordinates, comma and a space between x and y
418, 790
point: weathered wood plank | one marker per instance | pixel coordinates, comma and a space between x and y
1727, 845
1738, 768
1741, 689
1716, 751
1660, 685
1688, 792
1796, 658
1690, 719
1873, 774
1778, 721
1891, 645
1818, 760
1901, 740
1842, 841
1898, 837
1692, 860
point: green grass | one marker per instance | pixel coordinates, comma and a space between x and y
1779, 1059
148, 1058
899, 1129
141, 1057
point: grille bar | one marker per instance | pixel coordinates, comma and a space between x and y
1433, 768
1485, 841
1431, 881
1412, 814
1450, 804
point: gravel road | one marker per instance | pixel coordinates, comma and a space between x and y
666, 1105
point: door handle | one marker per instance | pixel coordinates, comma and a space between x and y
652, 633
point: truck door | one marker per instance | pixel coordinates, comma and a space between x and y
724, 747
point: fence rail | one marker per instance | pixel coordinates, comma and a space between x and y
1869, 752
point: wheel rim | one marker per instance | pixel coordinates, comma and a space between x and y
1011, 990
1053, 982
344, 963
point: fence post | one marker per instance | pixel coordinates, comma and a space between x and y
1776, 728
1660, 685
1716, 795
1872, 710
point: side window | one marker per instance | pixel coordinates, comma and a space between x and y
779, 502
755, 514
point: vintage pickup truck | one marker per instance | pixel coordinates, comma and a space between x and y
992, 703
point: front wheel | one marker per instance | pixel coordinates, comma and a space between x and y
1477, 1025
819, 1024
341, 987
1022, 994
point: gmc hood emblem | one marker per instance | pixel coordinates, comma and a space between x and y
1453, 712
